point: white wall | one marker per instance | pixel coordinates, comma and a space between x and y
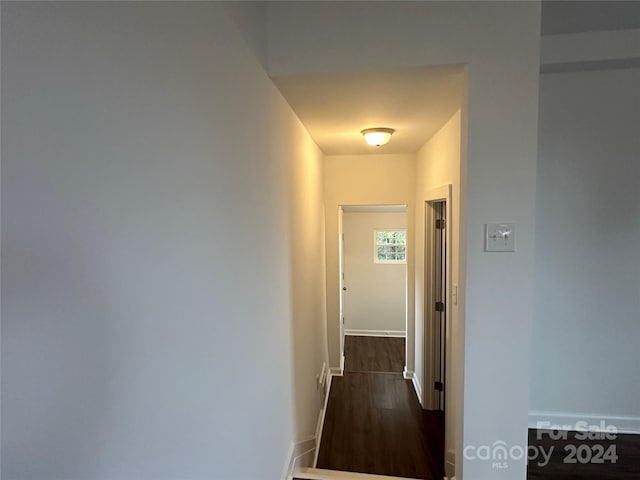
364, 180
307, 317
587, 302
162, 248
376, 295
438, 164
249, 18
500, 42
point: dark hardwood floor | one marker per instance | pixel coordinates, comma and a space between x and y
374, 422
588, 466
373, 354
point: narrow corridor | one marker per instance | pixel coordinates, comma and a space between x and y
374, 422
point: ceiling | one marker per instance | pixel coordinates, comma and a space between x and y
334, 108
560, 16
374, 208
416, 102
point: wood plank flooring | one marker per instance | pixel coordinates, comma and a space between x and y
627, 465
374, 354
374, 422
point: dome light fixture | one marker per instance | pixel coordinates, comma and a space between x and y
377, 137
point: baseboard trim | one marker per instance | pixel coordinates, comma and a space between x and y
297, 451
288, 463
338, 371
411, 375
323, 474
320, 426
417, 387
376, 333
322, 378
595, 422
304, 453
450, 462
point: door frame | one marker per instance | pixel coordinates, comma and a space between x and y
341, 284
431, 196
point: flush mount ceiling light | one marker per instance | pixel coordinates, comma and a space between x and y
377, 136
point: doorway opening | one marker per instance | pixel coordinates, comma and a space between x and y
373, 287
438, 317
439, 296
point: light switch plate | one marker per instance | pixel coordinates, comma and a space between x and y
500, 237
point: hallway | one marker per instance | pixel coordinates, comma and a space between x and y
374, 422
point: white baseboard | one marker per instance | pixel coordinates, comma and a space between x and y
320, 425
297, 451
411, 375
450, 462
417, 387
323, 474
589, 421
337, 372
375, 333
322, 378
304, 453
288, 463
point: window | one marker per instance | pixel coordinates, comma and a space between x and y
390, 246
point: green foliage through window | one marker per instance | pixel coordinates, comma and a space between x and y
391, 246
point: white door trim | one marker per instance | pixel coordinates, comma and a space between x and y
438, 194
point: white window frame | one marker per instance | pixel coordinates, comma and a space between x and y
375, 246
